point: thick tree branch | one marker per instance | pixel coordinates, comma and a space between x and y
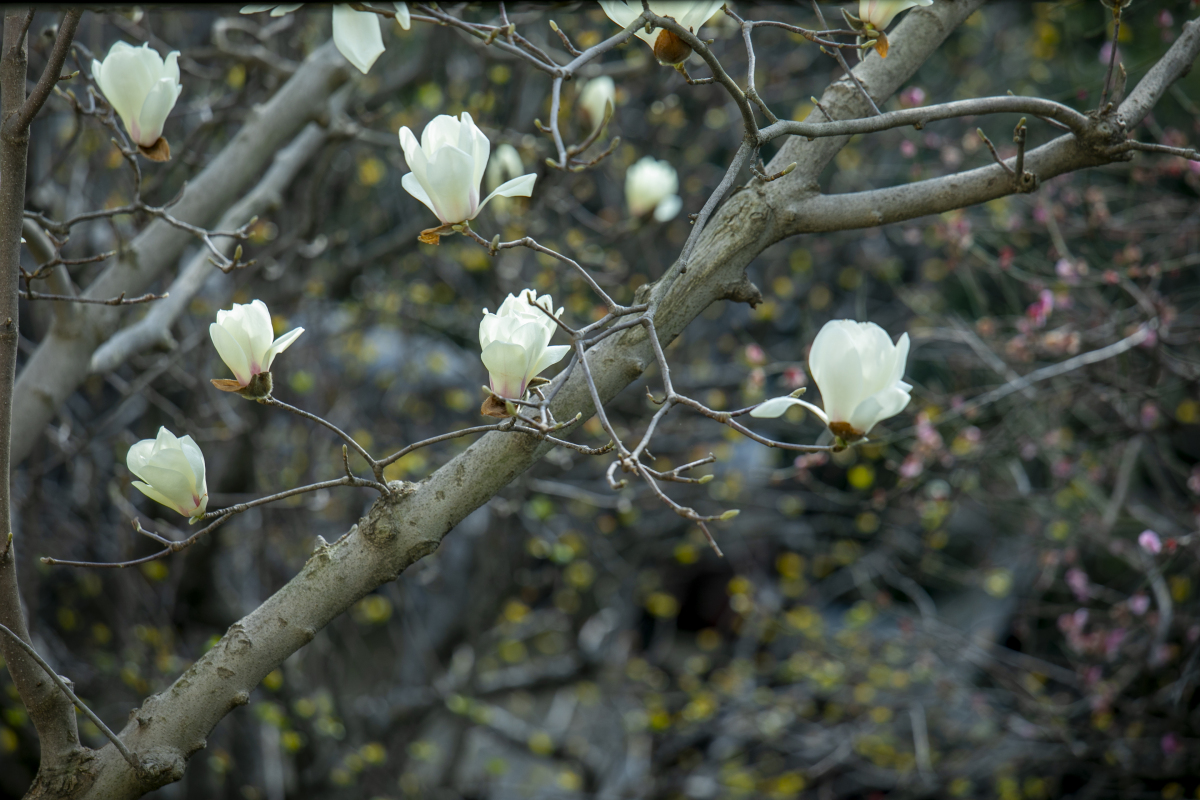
63, 759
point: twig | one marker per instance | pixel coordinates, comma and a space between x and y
837, 53
114, 301
66, 689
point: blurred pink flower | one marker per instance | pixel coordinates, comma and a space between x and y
912, 97
1150, 542
1077, 582
1171, 744
1139, 604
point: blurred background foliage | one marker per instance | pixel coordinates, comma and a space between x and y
959, 607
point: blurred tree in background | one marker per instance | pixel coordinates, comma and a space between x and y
993, 596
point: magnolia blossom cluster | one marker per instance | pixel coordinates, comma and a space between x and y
142, 87
356, 33
859, 372
171, 468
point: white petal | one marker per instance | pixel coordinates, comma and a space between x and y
357, 36
155, 109
402, 15
549, 357
668, 208
139, 456
506, 364
517, 187
414, 187
448, 183
257, 322
474, 143
281, 344
159, 497
195, 458
778, 406
837, 370
232, 353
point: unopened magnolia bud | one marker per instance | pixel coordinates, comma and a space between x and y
798, 392
707, 478
554, 26
788, 170
730, 514
237, 253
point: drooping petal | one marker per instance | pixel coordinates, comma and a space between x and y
778, 406
281, 344
231, 352
402, 15
285, 8
506, 364
449, 184
357, 36
517, 187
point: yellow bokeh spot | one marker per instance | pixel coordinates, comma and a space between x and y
1188, 412
374, 609
513, 651
373, 753
155, 570
661, 604
1181, 587
515, 611
790, 565
273, 680
8, 740
998, 583
686, 553
236, 77
541, 743
708, 639
580, 574
861, 476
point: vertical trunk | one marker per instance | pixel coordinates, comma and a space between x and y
63, 759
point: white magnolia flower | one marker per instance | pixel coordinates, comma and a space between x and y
447, 168
356, 33
880, 13
859, 372
246, 342
171, 471
598, 95
652, 185
142, 88
516, 343
668, 48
